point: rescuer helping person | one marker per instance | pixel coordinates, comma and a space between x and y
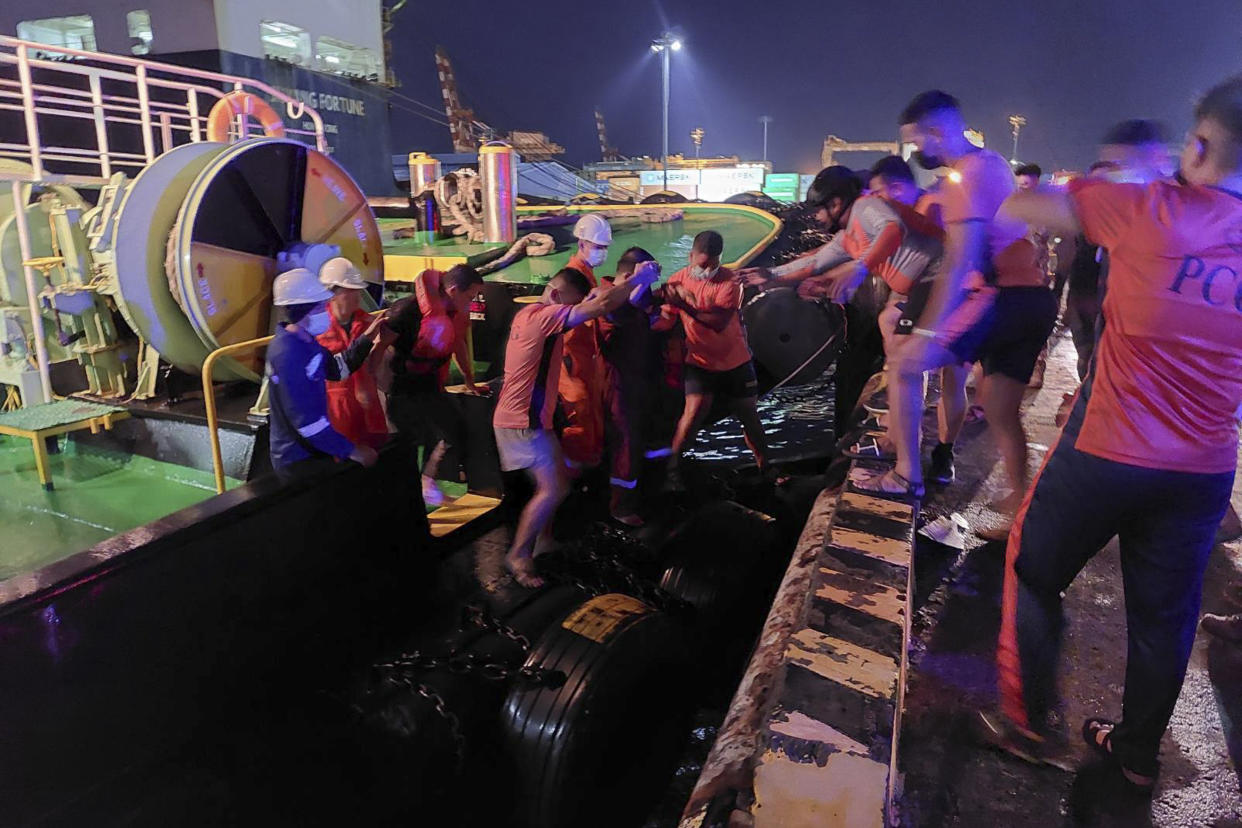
298, 368
354, 405
582, 384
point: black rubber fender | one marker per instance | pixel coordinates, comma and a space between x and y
599, 749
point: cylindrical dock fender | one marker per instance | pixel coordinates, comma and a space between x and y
792, 338
599, 749
420, 731
721, 560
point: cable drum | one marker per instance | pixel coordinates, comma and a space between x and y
791, 338
598, 750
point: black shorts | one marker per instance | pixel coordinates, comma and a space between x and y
912, 307
1005, 329
737, 383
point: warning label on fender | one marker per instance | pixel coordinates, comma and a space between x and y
600, 617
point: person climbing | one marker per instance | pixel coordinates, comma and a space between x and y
1150, 449
523, 417
706, 298
354, 405
581, 386
432, 327
298, 367
990, 304
628, 347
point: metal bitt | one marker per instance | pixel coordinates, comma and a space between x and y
424, 172
498, 172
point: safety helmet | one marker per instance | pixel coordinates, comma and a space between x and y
594, 228
298, 287
340, 272
833, 182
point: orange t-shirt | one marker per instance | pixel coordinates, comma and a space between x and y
714, 350
983, 181
1167, 383
532, 367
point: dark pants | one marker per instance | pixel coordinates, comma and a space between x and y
1082, 313
426, 417
1166, 522
624, 433
862, 358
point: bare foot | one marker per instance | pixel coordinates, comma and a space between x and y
522, 568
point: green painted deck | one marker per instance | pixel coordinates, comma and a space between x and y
669, 242
98, 494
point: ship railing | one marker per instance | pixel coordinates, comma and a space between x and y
58, 94
209, 400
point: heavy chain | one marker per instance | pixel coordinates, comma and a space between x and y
636, 584
463, 664
481, 617
442, 710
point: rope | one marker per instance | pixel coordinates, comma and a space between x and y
532, 244
464, 203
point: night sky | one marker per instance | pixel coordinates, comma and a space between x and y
1072, 67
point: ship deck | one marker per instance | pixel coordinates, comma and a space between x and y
746, 232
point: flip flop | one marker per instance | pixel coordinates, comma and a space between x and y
1092, 729
869, 448
890, 483
975, 414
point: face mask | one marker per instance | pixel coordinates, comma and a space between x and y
927, 162
702, 273
318, 323
596, 256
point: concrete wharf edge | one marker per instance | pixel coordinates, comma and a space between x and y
810, 737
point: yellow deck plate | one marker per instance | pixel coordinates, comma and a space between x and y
453, 516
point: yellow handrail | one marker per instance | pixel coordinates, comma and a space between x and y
209, 398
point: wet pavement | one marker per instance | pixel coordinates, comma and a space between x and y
950, 779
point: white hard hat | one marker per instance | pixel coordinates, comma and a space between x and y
298, 287
340, 272
594, 228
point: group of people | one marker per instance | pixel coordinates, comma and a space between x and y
330, 358
588, 343
1149, 443
947, 279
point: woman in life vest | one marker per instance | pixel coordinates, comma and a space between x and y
354, 405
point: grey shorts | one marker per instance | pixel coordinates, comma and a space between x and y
527, 448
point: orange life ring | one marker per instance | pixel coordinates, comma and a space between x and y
220, 119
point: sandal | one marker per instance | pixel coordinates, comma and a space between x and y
1098, 734
975, 414
523, 571
871, 448
889, 483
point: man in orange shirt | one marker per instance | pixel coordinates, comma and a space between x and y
582, 382
707, 298
1149, 451
523, 417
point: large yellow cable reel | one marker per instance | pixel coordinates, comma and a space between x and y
216, 219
